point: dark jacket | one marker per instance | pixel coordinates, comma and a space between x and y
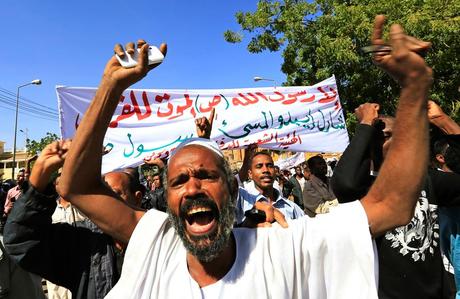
296, 191
155, 199
410, 262
315, 193
78, 257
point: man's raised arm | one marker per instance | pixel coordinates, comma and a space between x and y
391, 200
81, 182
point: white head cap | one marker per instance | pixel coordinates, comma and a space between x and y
198, 141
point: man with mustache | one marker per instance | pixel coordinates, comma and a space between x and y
313, 258
262, 173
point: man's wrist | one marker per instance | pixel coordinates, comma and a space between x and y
439, 120
110, 85
40, 176
421, 80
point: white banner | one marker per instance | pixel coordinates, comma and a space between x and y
152, 122
290, 162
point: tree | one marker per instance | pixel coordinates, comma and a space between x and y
34, 147
322, 38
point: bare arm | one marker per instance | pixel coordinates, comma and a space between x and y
81, 182
248, 153
392, 198
441, 120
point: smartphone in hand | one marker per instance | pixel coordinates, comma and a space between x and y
129, 61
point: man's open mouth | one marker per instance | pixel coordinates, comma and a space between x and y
200, 217
266, 179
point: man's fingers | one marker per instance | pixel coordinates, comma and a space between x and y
199, 122
415, 42
398, 41
118, 49
140, 43
63, 155
376, 38
267, 208
143, 59
164, 49
418, 46
130, 48
67, 143
211, 117
279, 217
378, 30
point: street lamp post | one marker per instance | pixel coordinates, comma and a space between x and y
26, 135
36, 82
257, 78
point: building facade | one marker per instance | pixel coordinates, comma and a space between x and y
6, 161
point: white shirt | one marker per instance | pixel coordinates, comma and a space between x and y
329, 256
246, 201
251, 187
301, 182
68, 214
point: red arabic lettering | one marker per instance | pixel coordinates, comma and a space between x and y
290, 141
281, 97
160, 99
236, 101
337, 105
306, 100
215, 101
327, 97
145, 100
262, 96
180, 109
289, 99
129, 110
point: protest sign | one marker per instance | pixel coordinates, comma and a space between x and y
152, 122
291, 161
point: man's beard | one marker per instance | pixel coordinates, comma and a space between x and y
205, 247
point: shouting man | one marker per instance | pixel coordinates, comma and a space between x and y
193, 252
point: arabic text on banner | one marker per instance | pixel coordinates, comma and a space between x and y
152, 122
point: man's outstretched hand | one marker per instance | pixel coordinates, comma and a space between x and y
404, 63
51, 159
367, 113
204, 125
122, 77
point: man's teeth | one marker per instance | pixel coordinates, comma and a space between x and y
198, 210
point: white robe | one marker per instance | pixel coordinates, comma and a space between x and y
329, 256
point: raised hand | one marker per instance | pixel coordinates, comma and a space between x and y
154, 161
404, 62
51, 159
53, 155
272, 215
125, 77
204, 125
367, 113
440, 119
434, 111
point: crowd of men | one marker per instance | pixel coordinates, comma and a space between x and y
382, 222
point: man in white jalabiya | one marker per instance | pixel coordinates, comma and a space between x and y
193, 251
